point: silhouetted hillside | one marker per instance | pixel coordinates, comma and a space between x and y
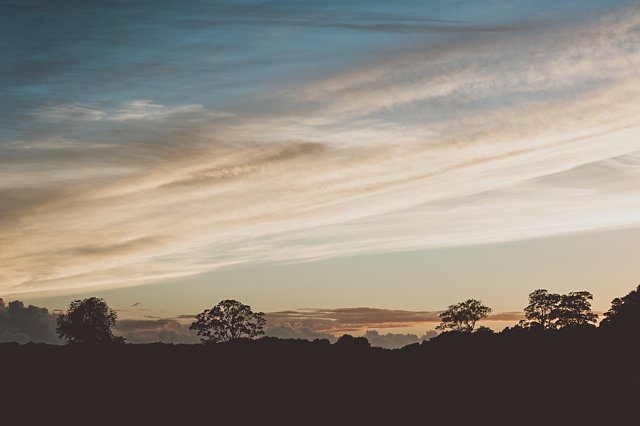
521, 376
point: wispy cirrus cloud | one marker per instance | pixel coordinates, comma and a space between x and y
460, 140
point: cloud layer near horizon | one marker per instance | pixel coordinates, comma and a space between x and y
35, 324
464, 133
358, 320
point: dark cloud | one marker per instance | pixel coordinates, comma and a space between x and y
26, 324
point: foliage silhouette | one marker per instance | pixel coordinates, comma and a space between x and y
463, 316
88, 321
574, 309
624, 313
541, 309
549, 311
228, 320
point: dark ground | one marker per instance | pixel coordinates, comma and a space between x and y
550, 379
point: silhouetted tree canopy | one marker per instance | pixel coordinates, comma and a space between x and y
228, 320
463, 316
541, 309
554, 311
574, 309
88, 321
624, 312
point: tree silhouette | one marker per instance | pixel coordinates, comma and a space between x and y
88, 321
551, 311
574, 309
463, 316
624, 312
228, 320
542, 309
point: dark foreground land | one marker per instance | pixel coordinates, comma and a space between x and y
524, 378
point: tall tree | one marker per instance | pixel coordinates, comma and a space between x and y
463, 316
542, 309
88, 321
228, 320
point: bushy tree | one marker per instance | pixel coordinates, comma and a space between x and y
463, 316
542, 307
550, 311
88, 321
228, 320
575, 309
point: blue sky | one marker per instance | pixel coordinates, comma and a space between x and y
149, 149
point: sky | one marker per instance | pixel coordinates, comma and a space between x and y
345, 167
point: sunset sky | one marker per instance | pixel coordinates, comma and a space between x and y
340, 166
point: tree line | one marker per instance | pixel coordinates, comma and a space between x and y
90, 321
556, 364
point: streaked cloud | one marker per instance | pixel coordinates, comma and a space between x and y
496, 131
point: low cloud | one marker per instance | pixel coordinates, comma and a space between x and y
396, 341
297, 331
352, 320
26, 324
166, 330
357, 320
34, 324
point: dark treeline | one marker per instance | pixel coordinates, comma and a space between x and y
548, 369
